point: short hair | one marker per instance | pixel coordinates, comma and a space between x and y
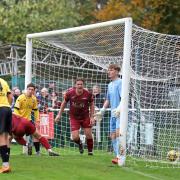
31, 85
44, 89
115, 67
79, 79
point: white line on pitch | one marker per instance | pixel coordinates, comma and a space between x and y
140, 173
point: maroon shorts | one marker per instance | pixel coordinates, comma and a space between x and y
22, 127
76, 124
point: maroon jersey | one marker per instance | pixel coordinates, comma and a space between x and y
22, 126
79, 104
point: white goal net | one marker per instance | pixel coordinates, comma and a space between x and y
153, 89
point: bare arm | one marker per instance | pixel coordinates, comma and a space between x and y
63, 105
10, 97
106, 104
92, 109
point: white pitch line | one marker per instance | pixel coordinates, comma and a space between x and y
140, 173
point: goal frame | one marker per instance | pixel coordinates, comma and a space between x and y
125, 65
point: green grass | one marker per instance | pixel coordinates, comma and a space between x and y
80, 167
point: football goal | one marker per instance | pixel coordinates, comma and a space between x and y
150, 114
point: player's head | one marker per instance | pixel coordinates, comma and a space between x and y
30, 89
113, 71
79, 84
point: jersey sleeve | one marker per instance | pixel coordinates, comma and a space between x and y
35, 109
108, 94
91, 98
7, 88
18, 103
17, 106
67, 96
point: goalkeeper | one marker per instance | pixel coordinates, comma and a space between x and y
21, 127
113, 99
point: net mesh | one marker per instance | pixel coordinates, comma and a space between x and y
154, 97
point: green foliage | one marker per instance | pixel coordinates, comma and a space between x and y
21, 17
157, 15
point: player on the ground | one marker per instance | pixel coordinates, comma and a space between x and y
21, 127
25, 105
81, 100
113, 99
5, 125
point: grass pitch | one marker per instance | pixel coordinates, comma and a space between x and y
80, 167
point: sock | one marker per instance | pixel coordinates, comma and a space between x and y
117, 147
4, 154
45, 143
37, 146
8, 150
114, 145
78, 141
21, 141
90, 145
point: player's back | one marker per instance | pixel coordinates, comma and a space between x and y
4, 89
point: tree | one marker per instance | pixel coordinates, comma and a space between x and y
21, 17
157, 15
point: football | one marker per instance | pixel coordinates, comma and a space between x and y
172, 155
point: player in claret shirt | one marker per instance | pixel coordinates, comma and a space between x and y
21, 126
81, 113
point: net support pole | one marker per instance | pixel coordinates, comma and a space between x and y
125, 83
28, 68
28, 76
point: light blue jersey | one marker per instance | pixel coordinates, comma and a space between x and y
114, 98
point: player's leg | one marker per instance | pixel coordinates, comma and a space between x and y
44, 143
5, 129
88, 132
36, 142
113, 138
75, 126
89, 140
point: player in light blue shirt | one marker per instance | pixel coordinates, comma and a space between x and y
113, 100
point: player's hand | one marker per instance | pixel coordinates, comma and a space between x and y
92, 121
116, 112
57, 119
98, 116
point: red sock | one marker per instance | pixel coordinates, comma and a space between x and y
21, 141
90, 145
45, 143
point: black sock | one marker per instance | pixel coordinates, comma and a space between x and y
37, 146
4, 153
78, 141
9, 150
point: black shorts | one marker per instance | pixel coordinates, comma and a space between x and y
5, 120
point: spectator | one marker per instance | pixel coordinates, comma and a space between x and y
44, 100
16, 94
99, 98
55, 104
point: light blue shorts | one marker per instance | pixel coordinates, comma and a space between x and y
114, 124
